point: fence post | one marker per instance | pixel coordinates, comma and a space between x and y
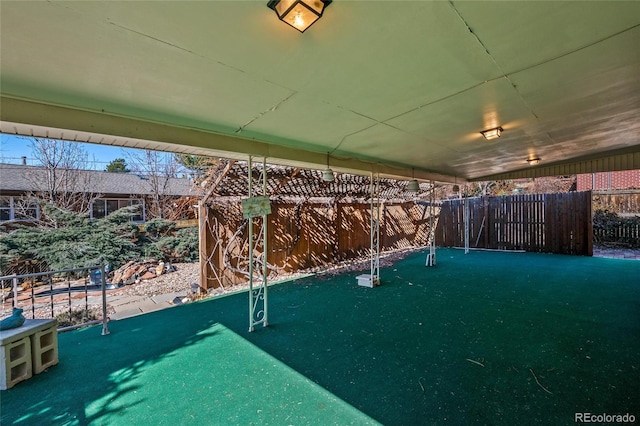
589, 220
15, 292
465, 214
105, 320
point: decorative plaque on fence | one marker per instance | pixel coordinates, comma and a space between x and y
256, 206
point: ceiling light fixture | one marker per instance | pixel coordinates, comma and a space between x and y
455, 188
327, 175
494, 133
413, 185
533, 161
300, 14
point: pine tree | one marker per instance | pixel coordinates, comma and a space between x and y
119, 165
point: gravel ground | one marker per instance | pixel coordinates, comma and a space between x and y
177, 281
189, 273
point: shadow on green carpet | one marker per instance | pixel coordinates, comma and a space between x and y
178, 366
497, 338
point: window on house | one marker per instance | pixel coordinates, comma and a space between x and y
27, 212
14, 208
98, 209
5, 208
138, 215
105, 206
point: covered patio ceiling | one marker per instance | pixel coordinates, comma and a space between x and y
401, 88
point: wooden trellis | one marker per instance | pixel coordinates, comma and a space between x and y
306, 229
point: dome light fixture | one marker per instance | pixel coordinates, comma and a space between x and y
327, 175
413, 186
494, 133
300, 14
533, 161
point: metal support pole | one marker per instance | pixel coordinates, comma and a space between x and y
265, 265
15, 293
105, 319
432, 248
375, 230
251, 299
203, 237
431, 257
373, 278
466, 222
258, 294
51, 296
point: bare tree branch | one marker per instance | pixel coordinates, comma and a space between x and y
158, 168
60, 179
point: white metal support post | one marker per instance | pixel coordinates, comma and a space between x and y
375, 229
258, 291
373, 279
431, 257
466, 221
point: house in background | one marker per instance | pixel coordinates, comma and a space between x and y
627, 179
103, 192
615, 192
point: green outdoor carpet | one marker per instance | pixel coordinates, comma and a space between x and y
482, 338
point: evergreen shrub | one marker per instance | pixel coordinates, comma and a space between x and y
610, 229
71, 240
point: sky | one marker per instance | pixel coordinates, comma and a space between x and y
13, 148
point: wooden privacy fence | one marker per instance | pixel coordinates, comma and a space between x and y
624, 202
303, 235
553, 223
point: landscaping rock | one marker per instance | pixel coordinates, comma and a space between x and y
136, 271
148, 275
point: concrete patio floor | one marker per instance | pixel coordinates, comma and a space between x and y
616, 253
